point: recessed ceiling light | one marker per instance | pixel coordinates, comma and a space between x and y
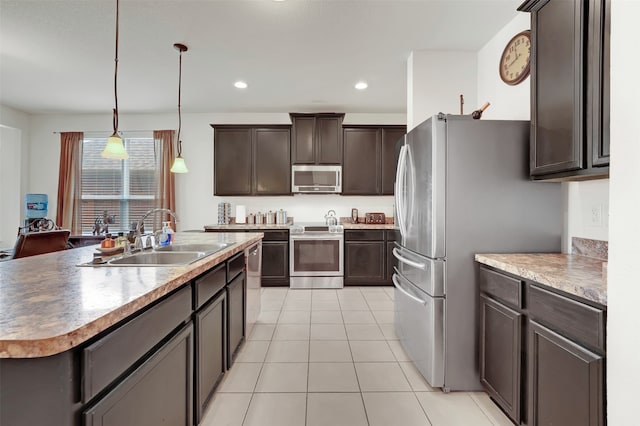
361, 85
240, 84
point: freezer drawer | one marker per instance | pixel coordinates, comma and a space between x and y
425, 273
419, 324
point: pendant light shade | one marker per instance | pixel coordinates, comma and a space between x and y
115, 147
179, 166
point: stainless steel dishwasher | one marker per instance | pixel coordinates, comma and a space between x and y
253, 256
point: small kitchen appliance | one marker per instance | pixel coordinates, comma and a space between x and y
375, 218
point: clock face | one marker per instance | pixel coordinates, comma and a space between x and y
514, 63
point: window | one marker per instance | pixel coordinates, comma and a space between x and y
125, 189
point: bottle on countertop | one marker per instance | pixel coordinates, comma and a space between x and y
166, 236
121, 240
108, 242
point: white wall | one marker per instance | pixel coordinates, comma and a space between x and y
16, 128
435, 81
10, 195
196, 205
507, 102
623, 321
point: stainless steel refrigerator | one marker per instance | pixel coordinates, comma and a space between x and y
462, 187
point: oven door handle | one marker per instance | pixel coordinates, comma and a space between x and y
403, 259
397, 285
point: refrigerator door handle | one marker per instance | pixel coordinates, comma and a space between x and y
397, 285
400, 188
403, 259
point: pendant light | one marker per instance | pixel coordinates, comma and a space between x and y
115, 147
179, 165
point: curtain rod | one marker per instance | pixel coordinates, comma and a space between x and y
110, 131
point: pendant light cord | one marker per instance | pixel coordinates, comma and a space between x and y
115, 79
179, 112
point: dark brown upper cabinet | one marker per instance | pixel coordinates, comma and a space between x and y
370, 159
252, 160
569, 88
316, 138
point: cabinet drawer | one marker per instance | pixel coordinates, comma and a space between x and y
235, 265
274, 235
390, 234
501, 287
571, 318
206, 286
368, 235
106, 359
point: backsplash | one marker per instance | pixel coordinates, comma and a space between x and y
591, 248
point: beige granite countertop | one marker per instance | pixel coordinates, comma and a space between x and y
577, 275
349, 225
49, 305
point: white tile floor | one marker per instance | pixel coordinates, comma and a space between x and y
331, 358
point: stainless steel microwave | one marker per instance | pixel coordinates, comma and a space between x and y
313, 179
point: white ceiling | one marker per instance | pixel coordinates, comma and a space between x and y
57, 56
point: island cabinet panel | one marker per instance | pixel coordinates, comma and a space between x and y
566, 381
159, 391
252, 160
500, 354
109, 357
569, 88
210, 351
235, 317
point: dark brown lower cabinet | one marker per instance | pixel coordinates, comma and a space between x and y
566, 381
235, 316
159, 391
542, 353
367, 257
210, 328
500, 354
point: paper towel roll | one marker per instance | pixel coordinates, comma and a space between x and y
241, 214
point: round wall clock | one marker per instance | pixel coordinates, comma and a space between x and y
515, 60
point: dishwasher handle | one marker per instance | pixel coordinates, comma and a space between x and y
397, 285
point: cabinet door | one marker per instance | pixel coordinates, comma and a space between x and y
235, 317
303, 139
362, 159
272, 165
600, 31
329, 140
157, 392
557, 113
500, 354
364, 262
391, 139
566, 381
232, 152
275, 263
210, 350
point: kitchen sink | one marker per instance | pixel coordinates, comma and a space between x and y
199, 247
158, 259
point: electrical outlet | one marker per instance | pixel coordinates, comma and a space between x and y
596, 215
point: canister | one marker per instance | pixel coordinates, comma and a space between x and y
271, 218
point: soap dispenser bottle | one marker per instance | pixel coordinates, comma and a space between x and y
166, 237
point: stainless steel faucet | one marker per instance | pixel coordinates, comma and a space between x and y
138, 241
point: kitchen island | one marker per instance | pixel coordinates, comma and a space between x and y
113, 345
